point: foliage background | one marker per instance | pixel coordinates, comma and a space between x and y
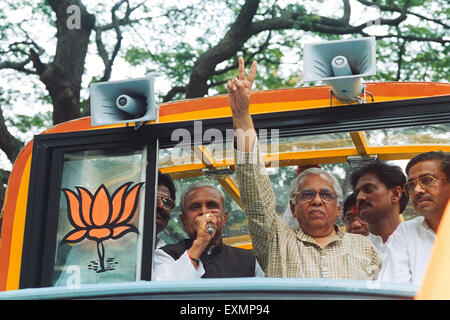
191, 47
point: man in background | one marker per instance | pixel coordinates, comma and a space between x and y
409, 248
380, 199
165, 202
352, 220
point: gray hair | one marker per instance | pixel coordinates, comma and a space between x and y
293, 188
198, 185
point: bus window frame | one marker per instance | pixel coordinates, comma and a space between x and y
38, 255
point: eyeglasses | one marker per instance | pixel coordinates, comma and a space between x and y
350, 219
309, 195
166, 202
425, 181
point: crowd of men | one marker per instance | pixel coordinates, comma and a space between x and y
377, 244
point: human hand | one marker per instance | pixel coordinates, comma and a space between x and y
201, 226
203, 238
240, 89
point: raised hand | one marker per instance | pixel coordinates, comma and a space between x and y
240, 89
239, 92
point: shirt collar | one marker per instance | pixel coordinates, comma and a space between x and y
426, 230
302, 236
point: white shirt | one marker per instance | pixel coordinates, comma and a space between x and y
377, 241
159, 243
408, 251
167, 268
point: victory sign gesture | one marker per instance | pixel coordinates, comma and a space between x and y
240, 89
239, 92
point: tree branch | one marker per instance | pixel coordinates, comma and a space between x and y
18, 66
347, 12
8, 143
169, 96
108, 62
396, 9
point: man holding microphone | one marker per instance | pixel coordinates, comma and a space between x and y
203, 255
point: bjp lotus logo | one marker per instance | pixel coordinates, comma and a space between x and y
100, 217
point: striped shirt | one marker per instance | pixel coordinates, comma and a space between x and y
285, 252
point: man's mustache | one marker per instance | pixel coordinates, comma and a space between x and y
363, 204
422, 197
164, 215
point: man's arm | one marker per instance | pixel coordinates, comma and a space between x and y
255, 187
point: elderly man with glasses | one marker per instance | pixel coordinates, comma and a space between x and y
409, 247
317, 249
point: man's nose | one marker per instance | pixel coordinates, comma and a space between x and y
418, 188
357, 223
360, 196
317, 199
202, 210
159, 203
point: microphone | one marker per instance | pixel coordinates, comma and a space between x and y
210, 228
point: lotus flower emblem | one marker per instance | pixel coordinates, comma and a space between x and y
100, 217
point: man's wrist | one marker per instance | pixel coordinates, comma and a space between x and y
242, 120
197, 249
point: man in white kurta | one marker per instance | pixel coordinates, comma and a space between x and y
408, 250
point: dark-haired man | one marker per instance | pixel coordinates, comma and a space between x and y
409, 248
165, 202
380, 199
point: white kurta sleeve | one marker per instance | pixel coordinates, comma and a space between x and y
258, 270
166, 268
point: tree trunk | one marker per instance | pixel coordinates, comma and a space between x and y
62, 77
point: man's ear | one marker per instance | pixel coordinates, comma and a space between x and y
183, 220
396, 193
225, 217
338, 209
292, 205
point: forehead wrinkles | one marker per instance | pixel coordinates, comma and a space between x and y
306, 189
425, 168
203, 193
315, 179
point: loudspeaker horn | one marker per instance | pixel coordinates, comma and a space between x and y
123, 101
341, 64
